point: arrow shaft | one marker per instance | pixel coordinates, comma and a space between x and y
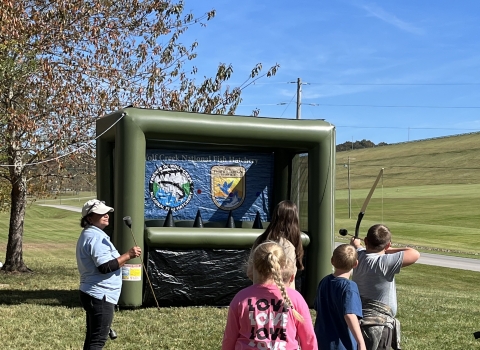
367, 200
365, 203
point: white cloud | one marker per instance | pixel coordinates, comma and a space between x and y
389, 18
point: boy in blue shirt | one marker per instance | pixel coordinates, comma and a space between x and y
338, 305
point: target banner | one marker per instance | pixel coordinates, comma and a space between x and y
213, 182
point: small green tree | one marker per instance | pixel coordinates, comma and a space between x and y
63, 64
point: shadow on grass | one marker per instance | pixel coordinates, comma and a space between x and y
50, 297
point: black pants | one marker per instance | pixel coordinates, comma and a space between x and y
99, 320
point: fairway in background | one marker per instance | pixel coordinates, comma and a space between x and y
429, 194
448, 160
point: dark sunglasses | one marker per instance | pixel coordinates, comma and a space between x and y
93, 205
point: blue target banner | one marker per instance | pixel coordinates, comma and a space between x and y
213, 182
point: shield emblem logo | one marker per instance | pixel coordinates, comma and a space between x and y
228, 186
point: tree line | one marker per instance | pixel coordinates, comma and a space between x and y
348, 146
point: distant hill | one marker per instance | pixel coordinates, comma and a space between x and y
448, 160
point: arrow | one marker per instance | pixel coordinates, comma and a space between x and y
365, 204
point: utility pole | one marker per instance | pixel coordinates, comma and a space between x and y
299, 97
297, 157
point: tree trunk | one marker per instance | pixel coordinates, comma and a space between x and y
14, 257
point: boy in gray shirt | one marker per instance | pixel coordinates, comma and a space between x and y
378, 263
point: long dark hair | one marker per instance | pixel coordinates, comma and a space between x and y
284, 224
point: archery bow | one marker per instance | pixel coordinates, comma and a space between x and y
365, 204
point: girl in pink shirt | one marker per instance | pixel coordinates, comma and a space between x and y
267, 315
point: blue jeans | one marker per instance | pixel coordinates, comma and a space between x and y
99, 320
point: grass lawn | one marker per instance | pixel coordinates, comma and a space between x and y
435, 216
449, 160
439, 308
75, 199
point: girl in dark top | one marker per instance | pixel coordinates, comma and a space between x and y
284, 228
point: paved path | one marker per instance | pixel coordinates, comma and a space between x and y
425, 258
66, 207
450, 261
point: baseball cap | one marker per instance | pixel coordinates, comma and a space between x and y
95, 206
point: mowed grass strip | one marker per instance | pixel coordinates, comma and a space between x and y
44, 226
448, 160
440, 217
439, 308
76, 199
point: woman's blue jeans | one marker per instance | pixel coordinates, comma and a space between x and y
99, 319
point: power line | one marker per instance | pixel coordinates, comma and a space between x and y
299, 103
396, 84
411, 166
370, 84
404, 128
68, 153
265, 104
391, 106
362, 105
288, 104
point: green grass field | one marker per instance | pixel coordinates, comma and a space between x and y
435, 216
428, 197
450, 160
41, 310
438, 307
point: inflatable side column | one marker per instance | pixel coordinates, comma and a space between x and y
282, 175
321, 213
104, 166
129, 165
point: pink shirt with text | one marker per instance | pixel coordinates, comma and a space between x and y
257, 319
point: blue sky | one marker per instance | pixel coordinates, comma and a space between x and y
374, 69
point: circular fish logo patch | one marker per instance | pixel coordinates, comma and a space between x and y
171, 186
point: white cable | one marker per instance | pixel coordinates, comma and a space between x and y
74, 151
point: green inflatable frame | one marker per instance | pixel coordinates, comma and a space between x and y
124, 136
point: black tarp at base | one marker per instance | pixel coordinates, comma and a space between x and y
195, 277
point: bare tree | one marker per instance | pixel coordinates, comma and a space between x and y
63, 64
